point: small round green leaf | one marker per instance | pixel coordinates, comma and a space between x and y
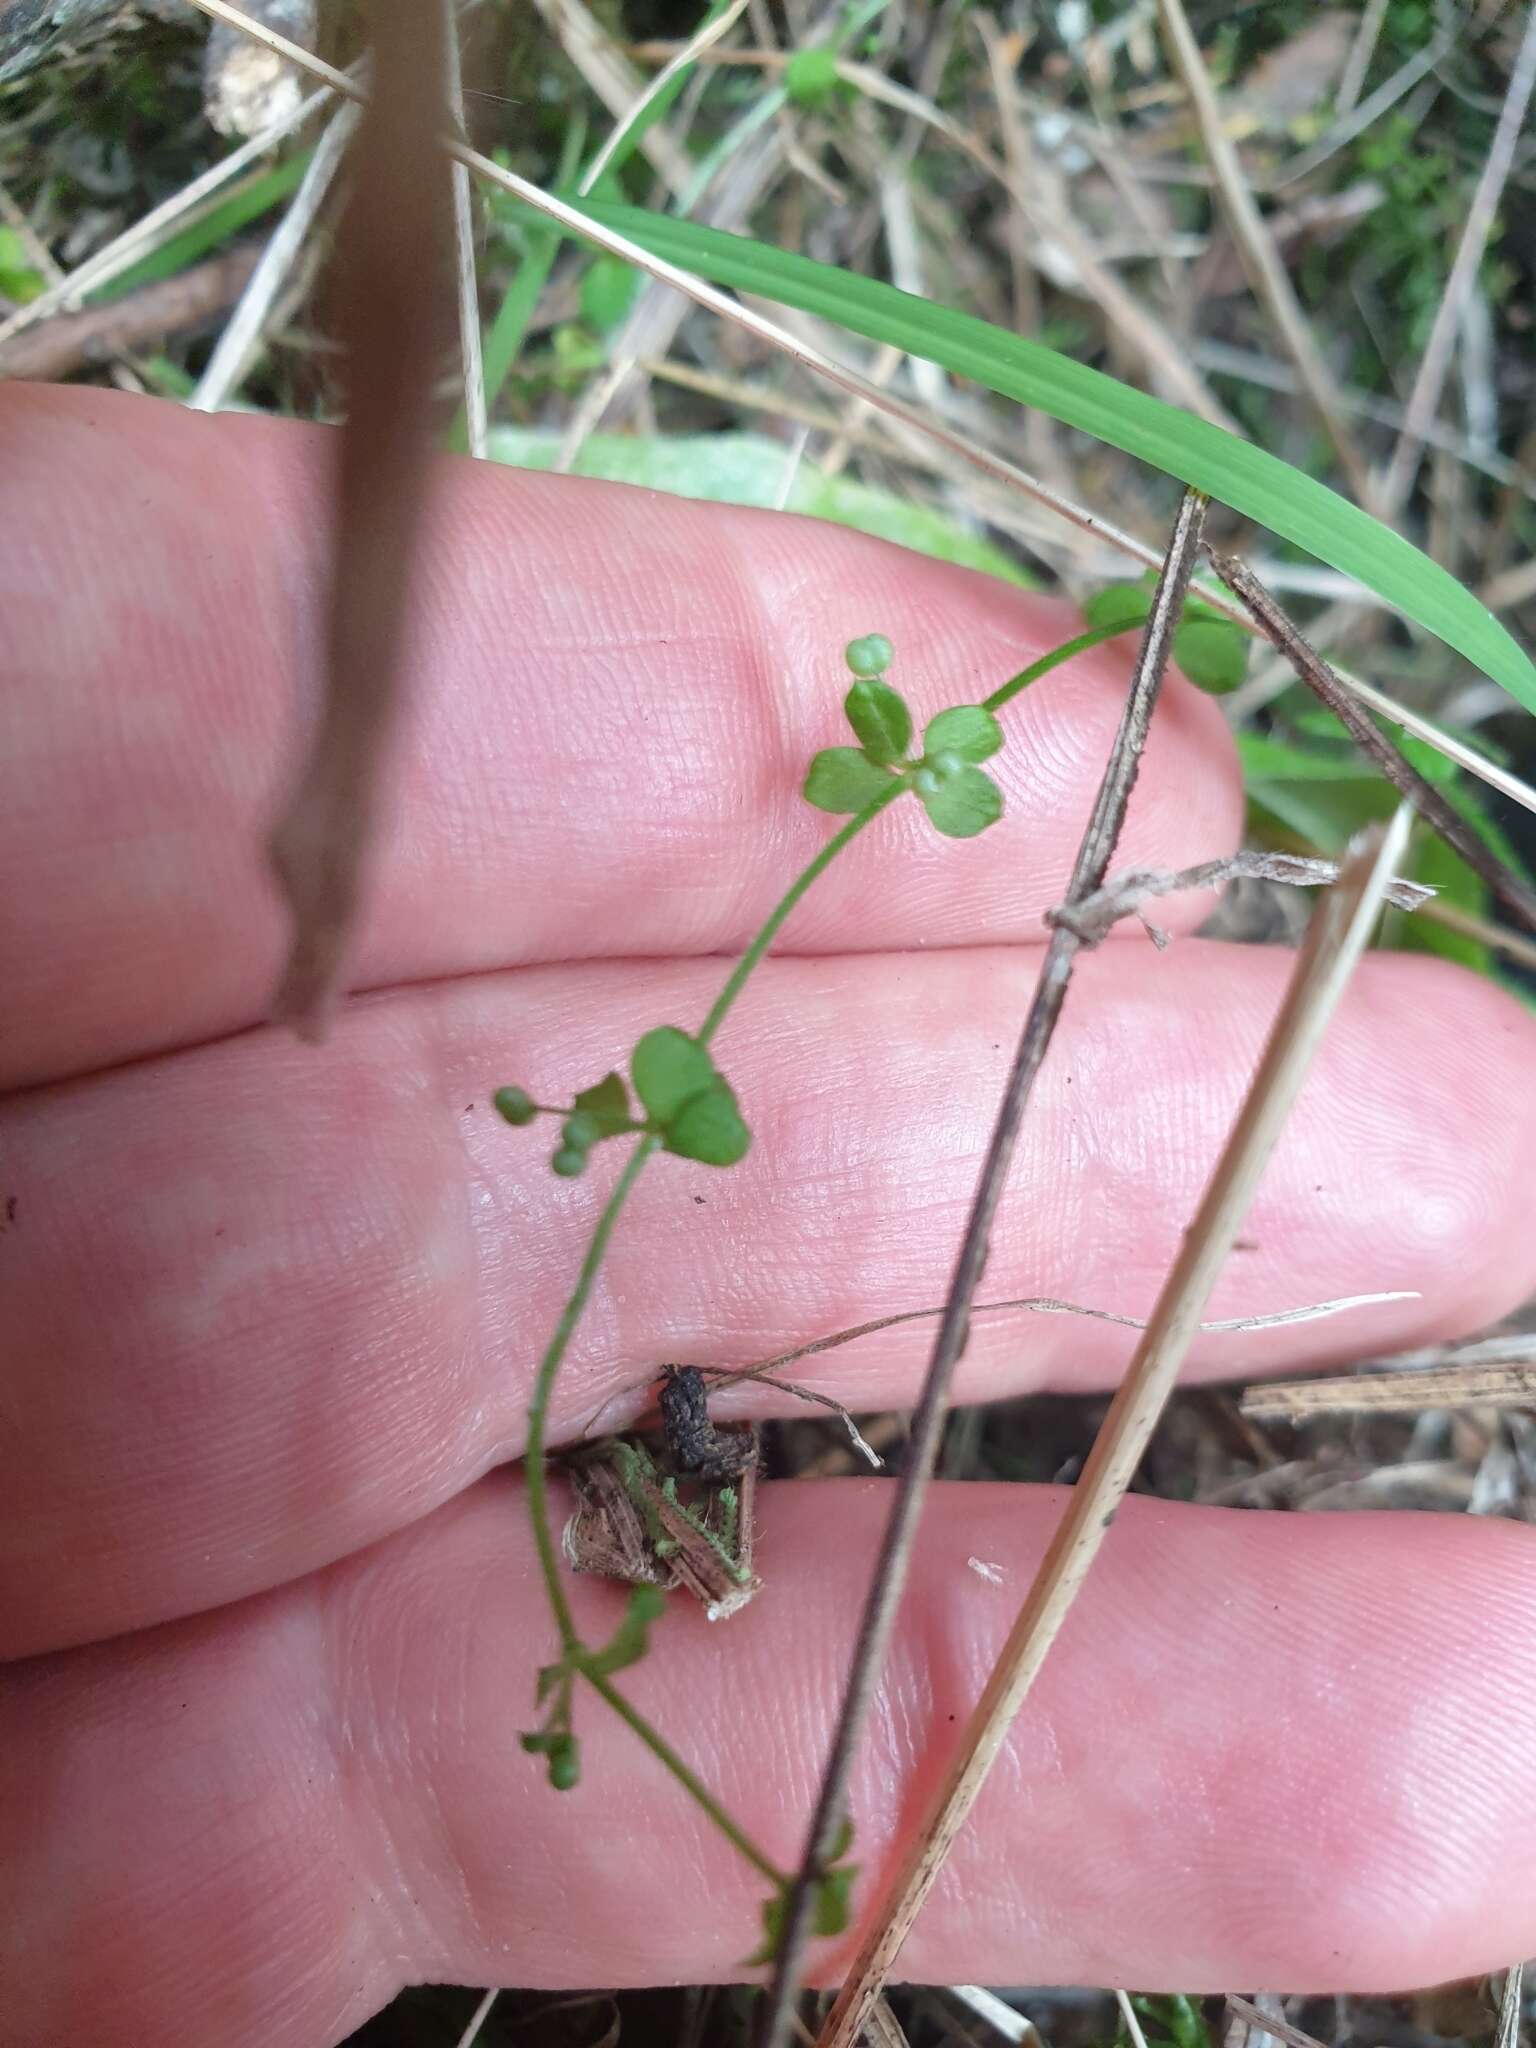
668, 1067
608, 289
570, 1162
879, 716
843, 779
606, 1105
963, 804
810, 76
968, 730
709, 1129
515, 1104
870, 655
1118, 604
1212, 653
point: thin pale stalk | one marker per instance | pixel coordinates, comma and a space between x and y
1256, 247
471, 360
238, 343
879, 1614
1335, 941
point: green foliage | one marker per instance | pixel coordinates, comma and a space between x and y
960, 801
829, 1906
1238, 473
689, 1104
810, 77
606, 1108
1211, 650
608, 289
879, 715
19, 281
1167, 2021
844, 779
749, 469
968, 730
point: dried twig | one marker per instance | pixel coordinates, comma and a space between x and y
1333, 946
1255, 245
1512, 1385
889, 1578
1123, 895
1516, 894
1428, 383
391, 239
76, 341
1270, 2023
471, 361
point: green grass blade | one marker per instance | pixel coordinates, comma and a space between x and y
1234, 472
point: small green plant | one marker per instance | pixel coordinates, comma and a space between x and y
681, 1103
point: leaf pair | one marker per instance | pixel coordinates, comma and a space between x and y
830, 1904
689, 1104
959, 799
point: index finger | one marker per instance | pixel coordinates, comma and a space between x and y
617, 694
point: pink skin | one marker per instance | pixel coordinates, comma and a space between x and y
267, 1306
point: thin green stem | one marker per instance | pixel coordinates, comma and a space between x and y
663, 1751
770, 931
1068, 650
536, 1457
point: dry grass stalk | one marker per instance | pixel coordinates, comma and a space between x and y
1424, 398
1335, 941
471, 361
878, 1618
1273, 2024
1255, 245
1511, 1385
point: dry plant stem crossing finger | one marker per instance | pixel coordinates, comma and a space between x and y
1334, 943
1516, 895
878, 1617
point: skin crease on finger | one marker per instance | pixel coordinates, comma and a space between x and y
1283, 1752
616, 694
317, 1281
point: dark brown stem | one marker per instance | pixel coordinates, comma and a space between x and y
889, 1579
1516, 895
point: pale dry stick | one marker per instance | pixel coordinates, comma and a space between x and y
687, 53
810, 357
1513, 945
1255, 246
1512, 1385
471, 360
1361, 51
999, 2016
878, 1618
602, 63
237, 345
1507, 2032
1273, 2024
477, 2020
1129, 2017
1361, 117
1424, 398
1516, 894
1328, 957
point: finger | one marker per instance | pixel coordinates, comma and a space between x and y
616, 697
1266, 1749
314, 1286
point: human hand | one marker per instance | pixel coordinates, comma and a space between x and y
270, 1310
